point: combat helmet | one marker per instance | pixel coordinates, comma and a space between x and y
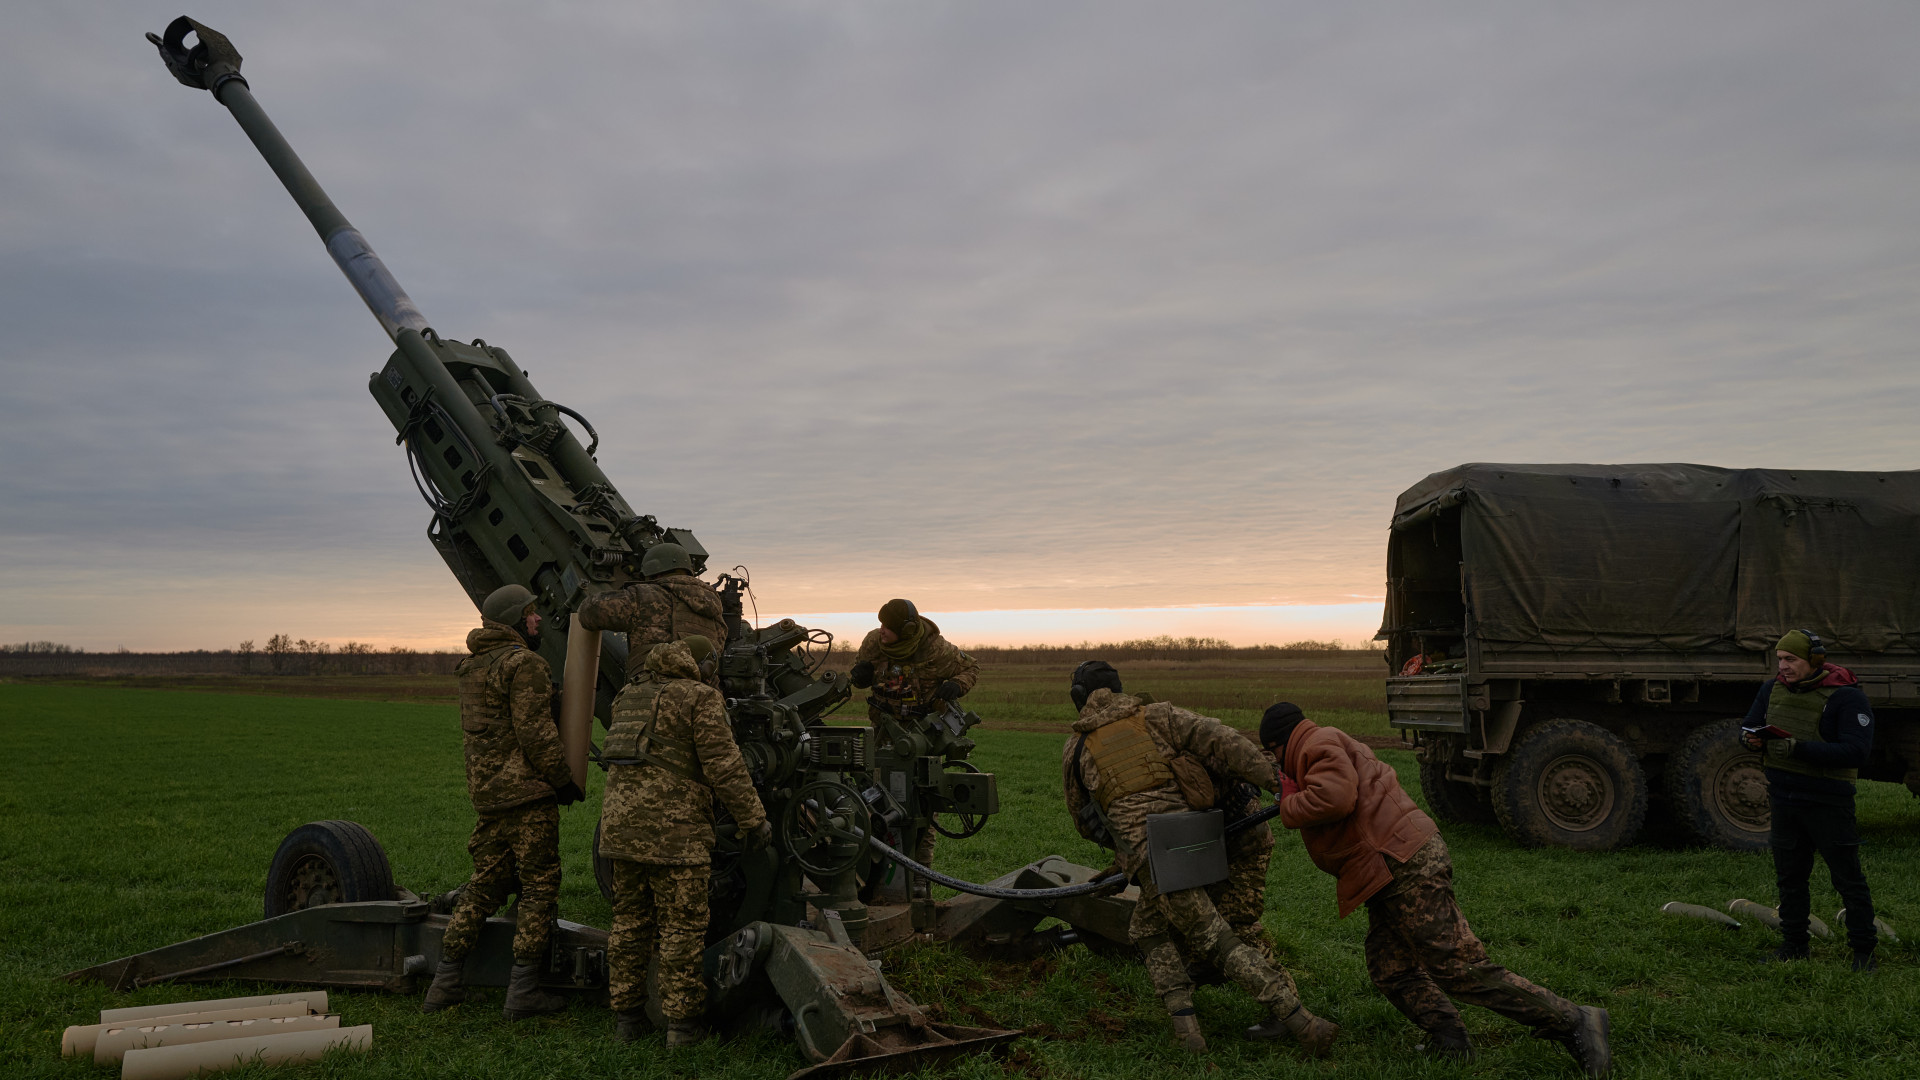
506, 604
663, 557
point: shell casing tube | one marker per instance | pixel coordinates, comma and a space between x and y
578, 683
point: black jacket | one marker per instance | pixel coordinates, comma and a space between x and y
1846, 723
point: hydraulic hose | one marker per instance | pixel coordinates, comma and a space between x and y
995, 892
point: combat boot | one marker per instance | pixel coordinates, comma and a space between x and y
1448, 1042
1186, 1031
1789, 952
1314, 1035
524, 996
630, 1024
445, 991
1586, 1040
1864, 961
684, 1032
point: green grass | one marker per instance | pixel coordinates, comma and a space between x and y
133, 818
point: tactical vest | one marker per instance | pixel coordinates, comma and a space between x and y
632, 740
1798, 714
485, 699
1128, 759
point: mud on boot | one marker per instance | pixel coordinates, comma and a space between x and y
524, 996
445, 990
1186, 1031
1314, 1035
630, 1024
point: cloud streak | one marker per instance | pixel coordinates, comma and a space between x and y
996, 305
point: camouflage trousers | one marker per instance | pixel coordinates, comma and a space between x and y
1192, 913
1242, 898
1421, 952
659, 910
514, 850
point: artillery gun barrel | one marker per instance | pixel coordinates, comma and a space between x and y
214, 65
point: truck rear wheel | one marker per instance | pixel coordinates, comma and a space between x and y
1718, 790
1572, 784
327, 862
1449, 800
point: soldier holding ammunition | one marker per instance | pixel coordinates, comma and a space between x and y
1118, 769
670, 754
668, 604
912, 672
1358, 825
518, 779
1825, 733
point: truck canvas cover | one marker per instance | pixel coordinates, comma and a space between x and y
1684, 557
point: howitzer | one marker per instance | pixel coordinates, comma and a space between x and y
516, 498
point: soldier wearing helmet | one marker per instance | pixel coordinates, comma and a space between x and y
912, 672
518, 779
670, 603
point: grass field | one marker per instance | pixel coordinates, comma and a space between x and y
131, 818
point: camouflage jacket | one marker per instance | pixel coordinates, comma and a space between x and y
662, 811
907, 686
506, 714
1173, 731
651, 612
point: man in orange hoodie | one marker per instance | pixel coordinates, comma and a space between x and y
1358, 825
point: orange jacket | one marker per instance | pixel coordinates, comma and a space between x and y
1350, 811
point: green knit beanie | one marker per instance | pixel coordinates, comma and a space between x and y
1801, 645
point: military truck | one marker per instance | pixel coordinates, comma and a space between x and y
1571, 647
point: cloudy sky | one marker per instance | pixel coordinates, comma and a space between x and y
1068, 320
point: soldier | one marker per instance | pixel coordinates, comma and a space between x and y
1358, 825
1810, 774
669, 604
518, 779
913, 671
1118, 769
670, 753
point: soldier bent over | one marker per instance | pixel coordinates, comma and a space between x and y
670, 754
518, 778
670, 604
1117, 771
1358, 825
913, 672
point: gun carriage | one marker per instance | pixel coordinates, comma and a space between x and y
515, 497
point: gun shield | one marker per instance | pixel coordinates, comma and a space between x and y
1187, 851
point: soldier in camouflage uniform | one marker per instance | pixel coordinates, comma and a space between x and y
670, 754
1358, 825
912, 672
518, 779
1117, 768
670, 604
1242, 898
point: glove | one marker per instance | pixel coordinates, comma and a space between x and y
569, 793
948, 690
861, 675
758, 837
1287, 786
1780, 749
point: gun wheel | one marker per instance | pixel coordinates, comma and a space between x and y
825, 828
327, 862
956, 823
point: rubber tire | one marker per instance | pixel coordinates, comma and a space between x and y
1692, 786
1516, 779
358, 862
1450, 800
